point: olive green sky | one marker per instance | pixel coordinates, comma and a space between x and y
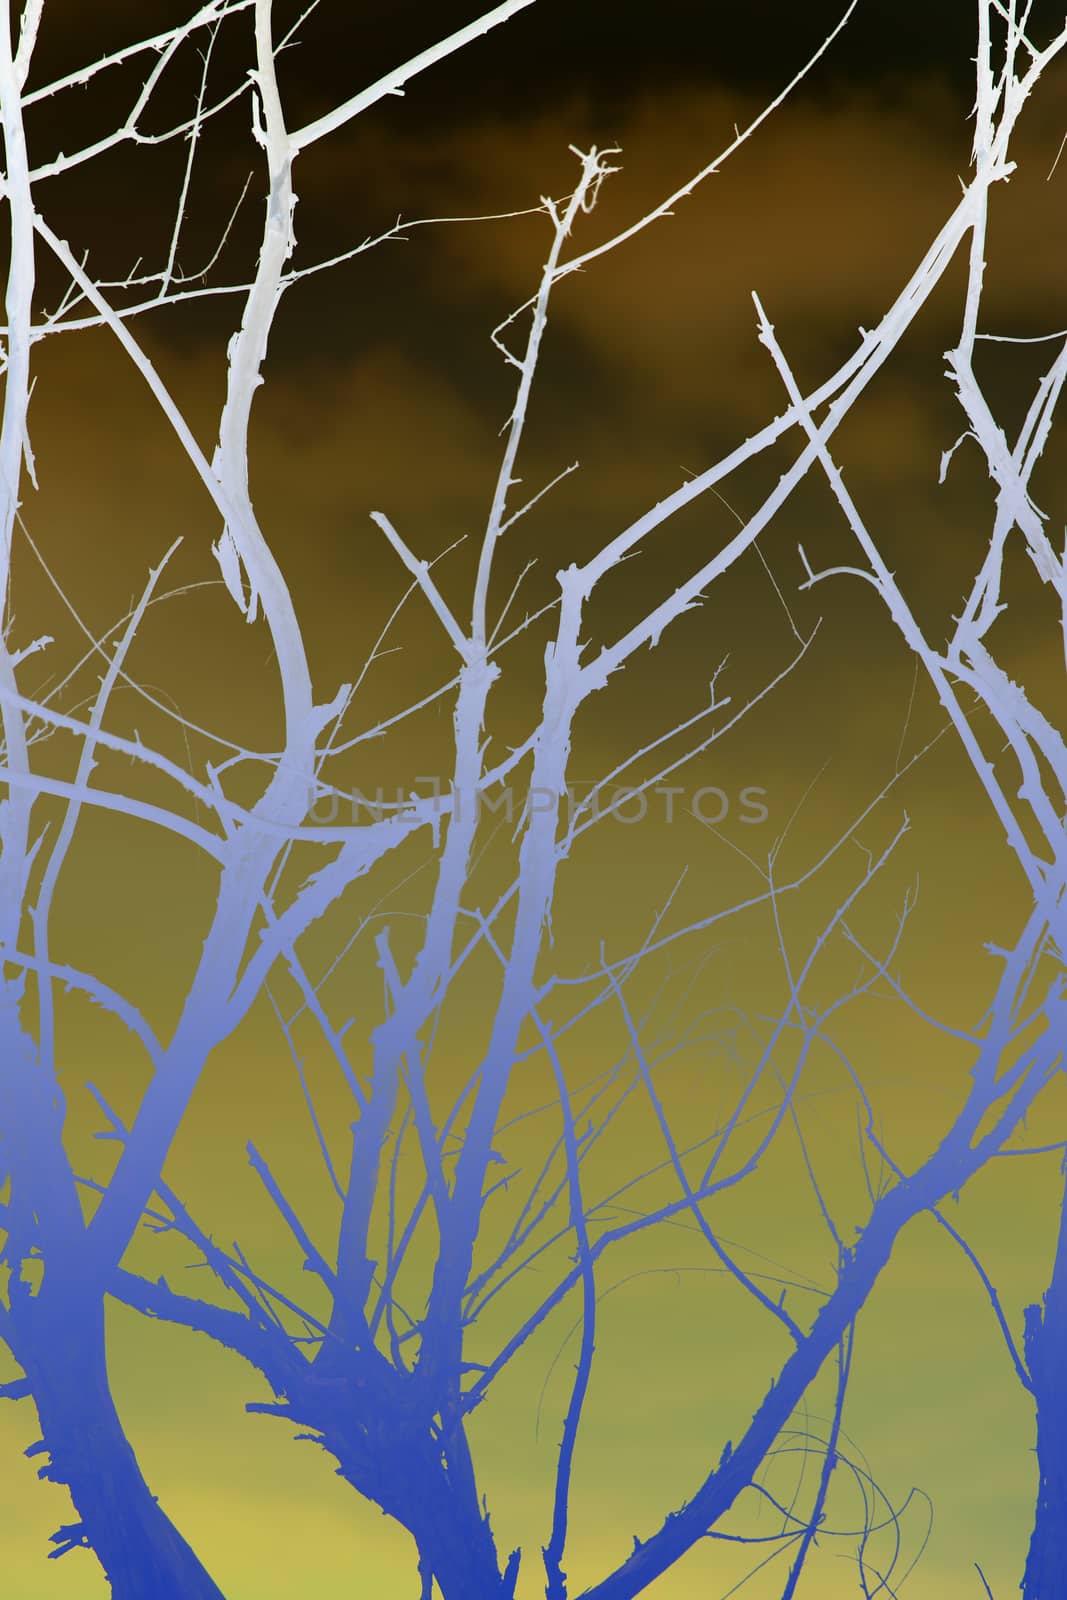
384, 392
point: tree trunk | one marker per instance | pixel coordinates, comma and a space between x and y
397, 1465
142, 1553
461, 1554
1045, 1577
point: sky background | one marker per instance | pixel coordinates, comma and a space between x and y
384, 392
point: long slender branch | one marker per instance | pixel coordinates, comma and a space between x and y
393, 82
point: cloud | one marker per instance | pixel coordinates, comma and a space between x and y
825, 213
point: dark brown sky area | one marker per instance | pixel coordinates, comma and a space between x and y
610, 50
383, 390
652, 363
